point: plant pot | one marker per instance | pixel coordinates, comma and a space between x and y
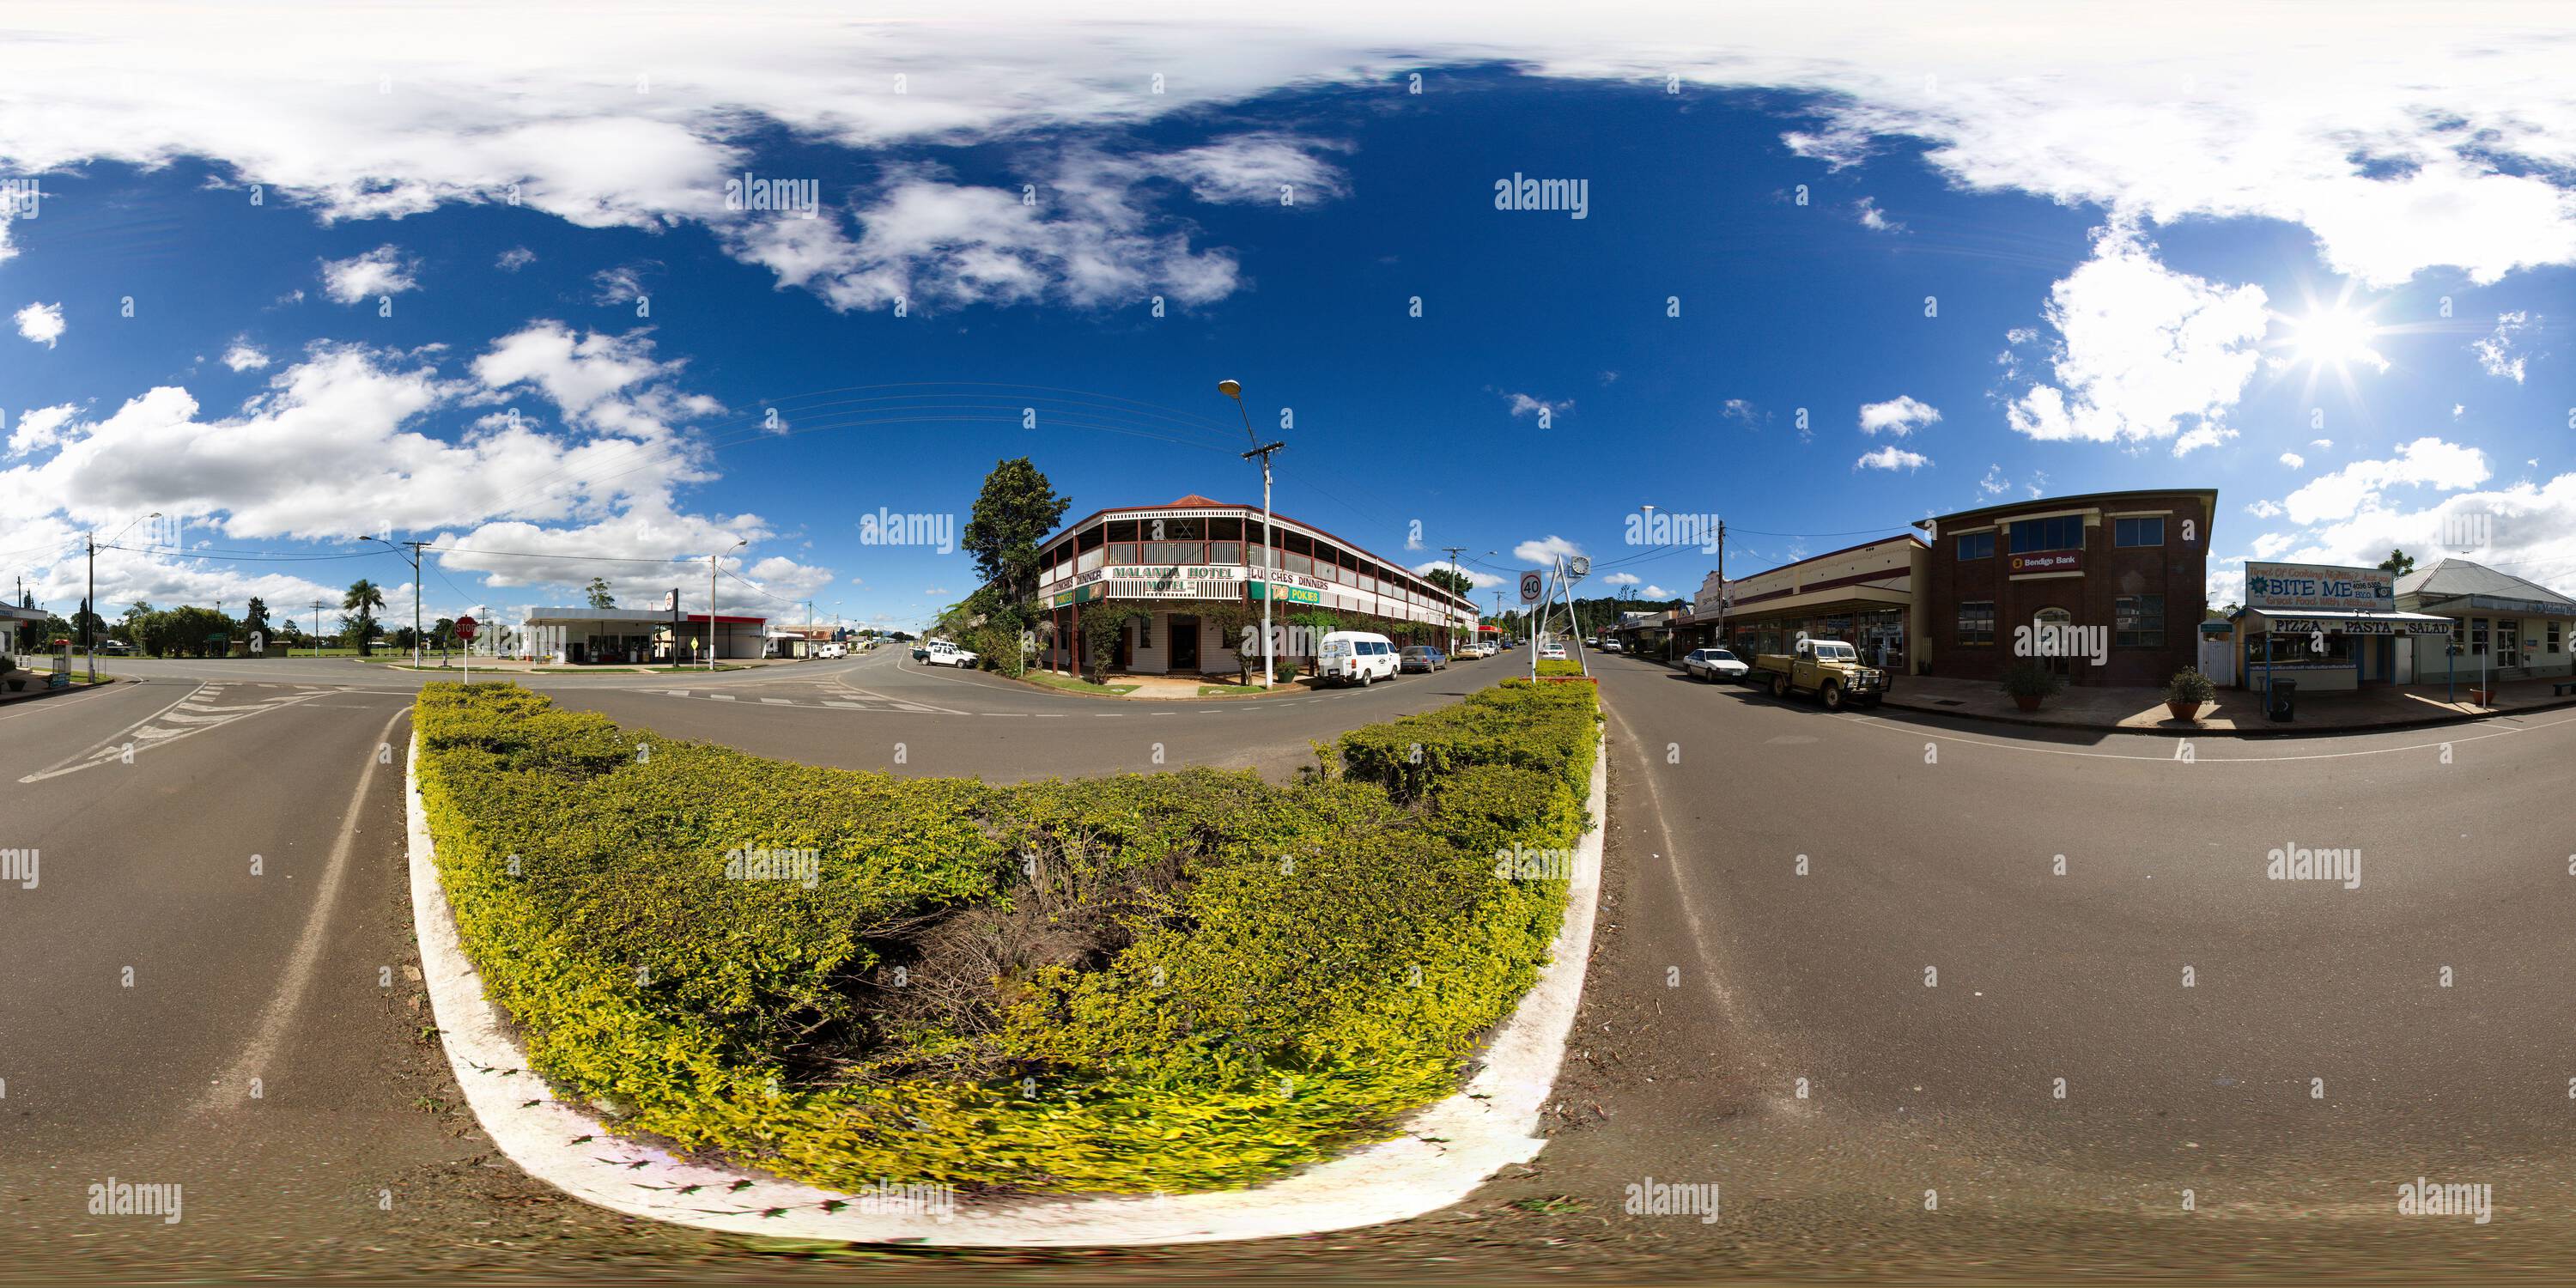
2187, 712
2026, 701
2483, 697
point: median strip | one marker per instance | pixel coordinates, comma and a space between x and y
1120, 990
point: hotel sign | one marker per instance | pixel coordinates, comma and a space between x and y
1176, 581
2319, 588
2049, 561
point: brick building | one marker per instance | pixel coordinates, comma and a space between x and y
2132, 564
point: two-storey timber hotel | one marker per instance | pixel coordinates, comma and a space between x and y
1164, 568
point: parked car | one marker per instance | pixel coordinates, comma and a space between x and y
1551, 652
920, 652
1355, 657
833, 650
118, 648
1830, 669
1610, 646
943, 653
1423, 658
1715, 664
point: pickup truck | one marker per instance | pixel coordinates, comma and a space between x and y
1830, 669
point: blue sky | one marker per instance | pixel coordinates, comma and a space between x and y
526, 324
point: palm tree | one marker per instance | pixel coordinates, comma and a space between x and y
363, 599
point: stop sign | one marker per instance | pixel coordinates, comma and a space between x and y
465, 628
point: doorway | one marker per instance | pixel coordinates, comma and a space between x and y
1184, 634
2059, 619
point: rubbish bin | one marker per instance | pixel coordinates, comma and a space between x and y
2284, 701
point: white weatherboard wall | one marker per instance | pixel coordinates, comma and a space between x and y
1448, 1148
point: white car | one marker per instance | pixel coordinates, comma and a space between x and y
1551, 652
1355, 657
1715, 664
943, 653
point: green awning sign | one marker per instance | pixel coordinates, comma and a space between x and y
1289, 594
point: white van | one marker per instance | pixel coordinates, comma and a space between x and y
1355, 657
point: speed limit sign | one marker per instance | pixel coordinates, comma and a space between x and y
1529, 588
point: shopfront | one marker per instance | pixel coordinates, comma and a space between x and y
1863, 595
2328, 628
2502, 627
1187, 580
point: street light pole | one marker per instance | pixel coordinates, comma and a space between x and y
711, 602
1269, 554
89, 645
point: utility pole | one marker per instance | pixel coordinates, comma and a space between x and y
1724, 595
1449, 619
317, 628
711, 612
1269, 554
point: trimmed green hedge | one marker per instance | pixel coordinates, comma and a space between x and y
1146, 982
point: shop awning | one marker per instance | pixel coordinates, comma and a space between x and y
2307, 622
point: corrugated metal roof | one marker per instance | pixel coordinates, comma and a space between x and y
2458, 578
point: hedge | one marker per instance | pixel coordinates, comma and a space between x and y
1189, 980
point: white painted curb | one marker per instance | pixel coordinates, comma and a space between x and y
1489, 1124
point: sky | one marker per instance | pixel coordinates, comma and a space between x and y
610, 296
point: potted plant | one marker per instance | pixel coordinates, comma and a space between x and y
2029, 683
2186, 691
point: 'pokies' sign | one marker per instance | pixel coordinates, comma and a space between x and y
2320, 588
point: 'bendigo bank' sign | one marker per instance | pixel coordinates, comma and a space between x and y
2320, 588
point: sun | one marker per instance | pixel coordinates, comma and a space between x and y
2337, 336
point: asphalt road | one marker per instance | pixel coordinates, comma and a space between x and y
1720, 979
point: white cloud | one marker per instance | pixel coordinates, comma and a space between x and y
2271, 544
2396, 143
244, 356
1900, 416
1525, 405
1742, 412
2357, 487
1892, 457
2294, 460
2496, 352
1623, 579
2143, 352
40, 428
2265, 509
514, 259
621, 285
1875, 219
1658, 592
2322, 444
42, 323
1475, 580
1994, 483
2200, 436
379, 272
1540, 552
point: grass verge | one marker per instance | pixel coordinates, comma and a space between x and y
1180, 981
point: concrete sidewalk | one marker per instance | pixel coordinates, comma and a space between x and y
2142, 710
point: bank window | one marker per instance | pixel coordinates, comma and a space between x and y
2553, 637
1977, 545
1977, 622
2065, 532
2138, 532
2138, 621
2477, 637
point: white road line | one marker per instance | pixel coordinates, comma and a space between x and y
720, 697
846, 706
149, 732
228, 1089
776, 702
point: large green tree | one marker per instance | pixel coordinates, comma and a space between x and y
599, 593
1450, 579
2398, 562
1016, 510
255, 617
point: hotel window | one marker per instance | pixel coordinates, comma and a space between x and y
1122, 541
1977, 545
2553, 637
2138, 532
2477, 637
1225, 541
1977, 622
1299, 558
2138, 621
2064, 532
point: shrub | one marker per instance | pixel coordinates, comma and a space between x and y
2189, 685
1143, 982
2028, 679
1559, 667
